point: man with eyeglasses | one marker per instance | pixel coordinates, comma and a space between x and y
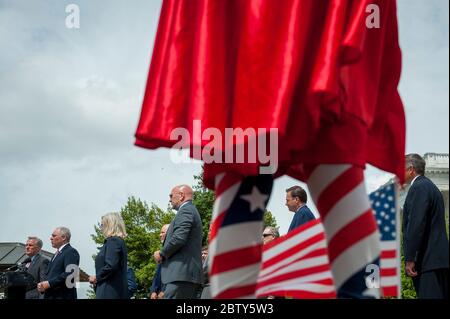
270, 233
181, 268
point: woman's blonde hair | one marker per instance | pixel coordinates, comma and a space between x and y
113, 225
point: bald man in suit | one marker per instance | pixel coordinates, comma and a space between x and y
181, 268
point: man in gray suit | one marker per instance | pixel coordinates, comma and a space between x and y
36, 265
180, 256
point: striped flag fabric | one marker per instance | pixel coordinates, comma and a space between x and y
384, 203
353, 241
297, 266
235, 244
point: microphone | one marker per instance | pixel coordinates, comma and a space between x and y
22, 266
13, 266
19, 265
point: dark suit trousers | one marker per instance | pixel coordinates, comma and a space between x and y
181, 290
432, 284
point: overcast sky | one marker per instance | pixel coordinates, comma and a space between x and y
70, 101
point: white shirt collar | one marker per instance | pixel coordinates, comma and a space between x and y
300, 207
61, 248
183, 204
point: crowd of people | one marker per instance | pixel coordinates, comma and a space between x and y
182, 262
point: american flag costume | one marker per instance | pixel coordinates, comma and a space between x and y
317, 71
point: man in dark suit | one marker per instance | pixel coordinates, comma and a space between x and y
157, 289
63, 268
36, 265
425, 242
205, 292
181, 269
296, 199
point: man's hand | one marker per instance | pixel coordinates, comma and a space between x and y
43, 286
153, 295
92, 280
157, 256
161, 295
410, 269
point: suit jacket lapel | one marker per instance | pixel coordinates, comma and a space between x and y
34, 262
61, 252
53, 260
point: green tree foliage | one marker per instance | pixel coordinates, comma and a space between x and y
204, 201
90, 294
269, 219
143, 225
408, 291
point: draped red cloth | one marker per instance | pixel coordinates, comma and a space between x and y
310, 68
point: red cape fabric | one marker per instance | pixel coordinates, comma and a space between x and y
312, 69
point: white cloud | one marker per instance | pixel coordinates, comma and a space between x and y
424, 84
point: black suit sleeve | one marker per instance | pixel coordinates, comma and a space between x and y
113, 253
418, 203
71, 259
